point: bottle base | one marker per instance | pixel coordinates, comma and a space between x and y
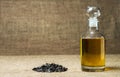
92, 69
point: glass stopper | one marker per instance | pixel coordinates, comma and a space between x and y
93, 11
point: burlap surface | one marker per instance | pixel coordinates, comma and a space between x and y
21, 66
30, 27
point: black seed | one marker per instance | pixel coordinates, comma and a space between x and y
50, 68
37, 69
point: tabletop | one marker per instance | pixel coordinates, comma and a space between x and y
21, 66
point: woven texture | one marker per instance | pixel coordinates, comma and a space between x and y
21, 66
30, 27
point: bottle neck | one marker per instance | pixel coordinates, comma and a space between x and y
93, 29
93, 24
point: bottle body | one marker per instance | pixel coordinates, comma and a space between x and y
92, 54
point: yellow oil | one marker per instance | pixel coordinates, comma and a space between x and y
92, 52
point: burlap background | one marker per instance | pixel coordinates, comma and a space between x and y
31, 27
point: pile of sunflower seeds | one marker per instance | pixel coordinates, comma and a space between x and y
50, 67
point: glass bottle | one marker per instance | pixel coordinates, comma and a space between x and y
92, 44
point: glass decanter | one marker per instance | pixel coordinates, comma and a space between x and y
92, 44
